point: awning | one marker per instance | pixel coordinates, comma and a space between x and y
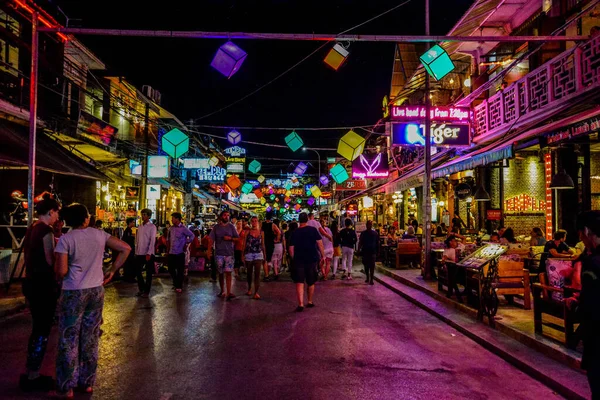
483, 156
50, 156
232, 205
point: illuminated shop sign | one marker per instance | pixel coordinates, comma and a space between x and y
574, 130
372, 166
235, 168
158, 167
235, 151
351, 184
212, 174
195, 163
411, 134
440, 114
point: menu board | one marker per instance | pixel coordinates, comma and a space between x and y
483, 255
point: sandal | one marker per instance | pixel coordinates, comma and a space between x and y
222, 294
62, 395
256, 296
230, 296
249, 293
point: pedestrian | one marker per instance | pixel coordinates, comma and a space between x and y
337, 247
206, 244
307, 251
162, 243
271, 230
129, 269
284, 258
288, 239
328, 246
238, 248
145, 240
368, 246
348, 241
316, 224
277, 257
254, 256
588, 304
223, 235
41, 291
449, 259
79, 263
179, 239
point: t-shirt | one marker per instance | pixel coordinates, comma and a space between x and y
369, 241
85, 248
327, 244
551, 244
348, 238
36, 265
315, 224
450, 254
305, 245
223, 247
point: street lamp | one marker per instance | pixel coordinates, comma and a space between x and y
319, 168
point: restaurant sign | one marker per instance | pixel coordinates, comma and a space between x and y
412, 133
212, 174
371, 166
351, 184
195, 163
493, 215
96, 130
574, 130
439, 114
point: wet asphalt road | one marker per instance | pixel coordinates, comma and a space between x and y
360, 342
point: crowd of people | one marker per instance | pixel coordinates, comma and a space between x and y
66, 272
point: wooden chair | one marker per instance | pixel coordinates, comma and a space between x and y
513, 279
408, 251
543, 303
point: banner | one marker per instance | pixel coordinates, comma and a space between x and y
370, 166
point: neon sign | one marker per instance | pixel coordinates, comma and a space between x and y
235, 151
439, 114
410, 134
370, 166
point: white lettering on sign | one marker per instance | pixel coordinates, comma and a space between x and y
235, 151
450, 114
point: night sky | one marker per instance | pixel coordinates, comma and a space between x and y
311, 95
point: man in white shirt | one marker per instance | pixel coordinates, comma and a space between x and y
317, 225
145, 240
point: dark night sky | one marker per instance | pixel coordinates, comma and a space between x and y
312, 95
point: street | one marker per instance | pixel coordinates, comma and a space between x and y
359, 342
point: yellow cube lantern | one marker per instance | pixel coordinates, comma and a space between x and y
315, 191
262, 201
234, 182
288, 193
213, 161
351, 145
260, 179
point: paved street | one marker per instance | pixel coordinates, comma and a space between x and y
360, 342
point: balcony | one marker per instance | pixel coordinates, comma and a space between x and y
553, 87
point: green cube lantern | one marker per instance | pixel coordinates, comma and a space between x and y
294, 141
288, 185
437, 62
254, 167
246, 188
315, 191
351, 145
339, 173
260, 179
262, 201
175, 143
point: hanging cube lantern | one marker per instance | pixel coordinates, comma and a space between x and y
297, 207
271, 191
336, 56
175, 143
287, 199
300, 168
258, 193
277, 199
263, 201
229, 59
254, 167
213, 161
351, 145
234, 182
260, 179
282, 210
437, 62
288, 186
311, 201
294, 141
294, 180
246, 188
287, 206
288, 193
315, 191
272, 197
299, 201
339, 173
308, 192
269, 209
324, 180
234, 137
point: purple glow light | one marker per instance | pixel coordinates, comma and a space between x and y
300, 168
311, 201
324, 180
228, 59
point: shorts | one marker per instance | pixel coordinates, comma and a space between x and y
224, 263
305, 272
249, 257
329, 253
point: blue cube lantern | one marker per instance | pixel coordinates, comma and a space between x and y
229, 59
437, 62
300, 169
254, 167
324, 180
234, 137
175, 143
294, 141
247, 188
339, 173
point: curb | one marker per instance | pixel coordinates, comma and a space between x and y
499, 351
14, 309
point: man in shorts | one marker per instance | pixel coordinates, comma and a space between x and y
307, 251
223, 235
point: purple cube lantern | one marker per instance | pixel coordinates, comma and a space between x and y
311, 201
234, 137
324, 180
229, 59
300, 169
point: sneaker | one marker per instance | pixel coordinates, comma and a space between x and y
310, 305
299, 309
139, 294
371, 283
349, 277
42, 383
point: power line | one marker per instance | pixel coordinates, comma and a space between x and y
332, 128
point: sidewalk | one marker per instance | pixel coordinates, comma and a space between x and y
514, 340
13, 301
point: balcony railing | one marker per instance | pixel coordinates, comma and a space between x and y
543, 91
